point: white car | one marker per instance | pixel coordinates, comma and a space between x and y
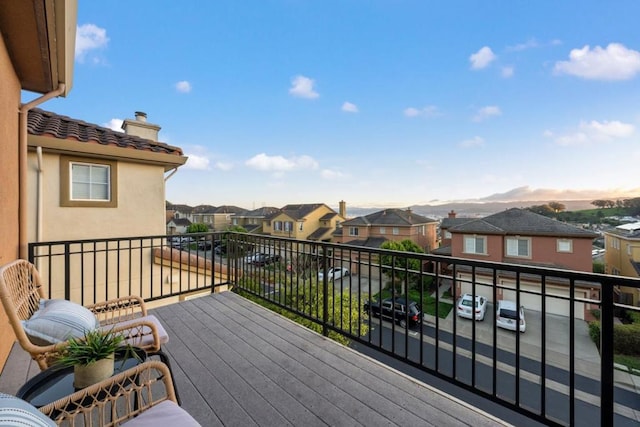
507, 316
466, 307
334, 273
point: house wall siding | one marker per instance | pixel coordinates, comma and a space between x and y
9, 184
141, 207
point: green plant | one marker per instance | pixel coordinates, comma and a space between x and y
95, 345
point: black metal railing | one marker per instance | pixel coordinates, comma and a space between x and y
552, 373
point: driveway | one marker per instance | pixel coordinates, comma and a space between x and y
557, 337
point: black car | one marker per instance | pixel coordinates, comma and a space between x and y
400, 310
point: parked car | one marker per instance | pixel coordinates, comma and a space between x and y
205, 245
334, 273
466, 307
399, 310
264, 259
507, 316
181, 242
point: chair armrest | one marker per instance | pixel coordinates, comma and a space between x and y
118, 398
140, 333
119, 309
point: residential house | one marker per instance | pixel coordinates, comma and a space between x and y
519, 236
315, 221
36, 55
444, 235
389, 224
203, 214
178, 211
224, 215
83, 176
252, 220
622, 258
178, 226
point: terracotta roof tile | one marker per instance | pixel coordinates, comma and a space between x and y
45, 123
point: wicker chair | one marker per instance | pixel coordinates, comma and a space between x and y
140, 396
21, 290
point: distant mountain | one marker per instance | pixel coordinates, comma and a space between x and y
521, 197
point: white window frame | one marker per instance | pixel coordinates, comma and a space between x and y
383, 230
353, 231
564, 245
395, 231
470, 244
300, 225
288, 226
67, 181
277, 225
513, 246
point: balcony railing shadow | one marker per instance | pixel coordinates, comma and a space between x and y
552, 373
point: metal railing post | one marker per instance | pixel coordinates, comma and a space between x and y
606, 355
325, 293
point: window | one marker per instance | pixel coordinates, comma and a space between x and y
518, 247
396, 231
277, 226
288, 226
447, 234
565, 245
353, 231
475, 245
300, 224
383, 230
88, 183
615, 243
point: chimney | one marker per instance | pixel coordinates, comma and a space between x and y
342, 210
452, 214
140, 127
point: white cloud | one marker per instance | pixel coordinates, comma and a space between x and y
279, 164
507, 72
594, 132
482, 58
224, 166
349, 107
302, 87
196, 162
89, 37
331, 174
529, 44
476, 141
114, 124
428, 111
183, 86
615, 62
486, 112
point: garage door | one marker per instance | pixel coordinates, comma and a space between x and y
531, 301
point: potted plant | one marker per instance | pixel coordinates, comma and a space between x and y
92, 356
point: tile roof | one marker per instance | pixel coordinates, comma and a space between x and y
203, 209
521, 221
262, 212
227, 209
397, 217
301, 211
319, 233
371, 242
45, 123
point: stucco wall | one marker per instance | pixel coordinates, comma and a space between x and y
9, 104
140, 210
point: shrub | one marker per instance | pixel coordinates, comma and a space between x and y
626, 338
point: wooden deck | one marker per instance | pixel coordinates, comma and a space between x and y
237, 363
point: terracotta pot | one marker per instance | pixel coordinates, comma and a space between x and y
85, 375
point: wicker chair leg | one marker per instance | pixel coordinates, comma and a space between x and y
165, 359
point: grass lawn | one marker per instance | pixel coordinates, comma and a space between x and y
428, 302
632, 362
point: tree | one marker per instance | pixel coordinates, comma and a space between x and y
197, 228
599, 203
237, 228
545, 210
399, 267
557, 207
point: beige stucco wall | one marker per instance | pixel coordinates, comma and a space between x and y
9, 104
140, 210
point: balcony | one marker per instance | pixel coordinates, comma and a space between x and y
236, 362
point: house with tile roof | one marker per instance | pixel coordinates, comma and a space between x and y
519, 236
252, 220
37, 61
389, 225
314, 221
622, 258
87, 181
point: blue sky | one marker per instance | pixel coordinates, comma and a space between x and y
378, 103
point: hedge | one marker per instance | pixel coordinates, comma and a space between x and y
626, 338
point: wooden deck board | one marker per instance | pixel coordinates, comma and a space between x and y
236, 363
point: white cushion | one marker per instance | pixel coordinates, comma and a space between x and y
166, 413
17, 412
58, 320
146, 340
